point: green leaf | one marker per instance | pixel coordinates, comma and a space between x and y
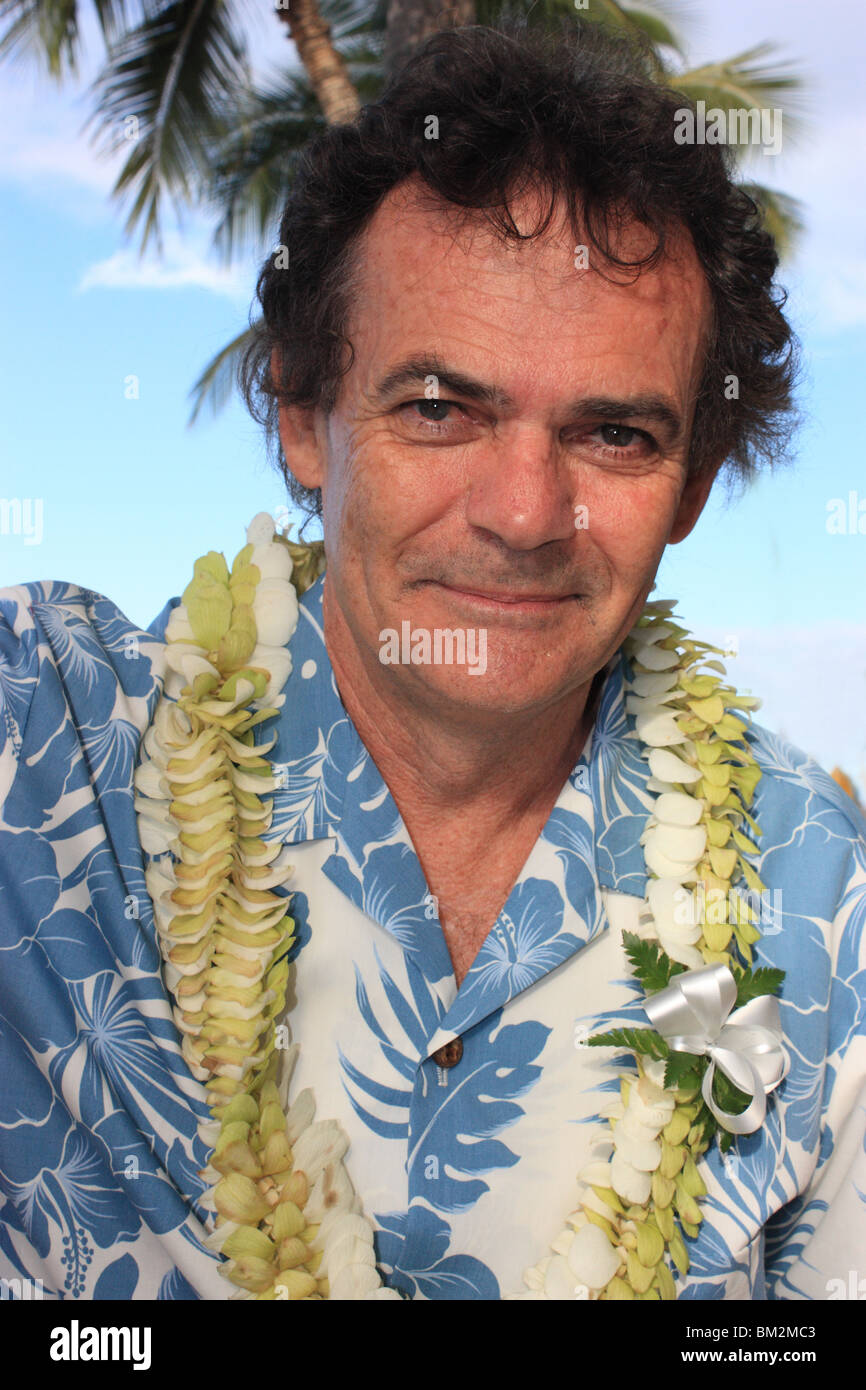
684, 1069
216, 382
782, 215
751, 984
728, 1096
48, 29
255, 156
177, 72
751, 80
653, 968
643, 1040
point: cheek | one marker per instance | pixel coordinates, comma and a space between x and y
629, 524
386, 492
350, 504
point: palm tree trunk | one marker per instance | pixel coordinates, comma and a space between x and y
324, 65
410, 22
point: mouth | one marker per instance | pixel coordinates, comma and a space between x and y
509, 602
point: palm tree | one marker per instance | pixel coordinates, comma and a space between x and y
177, 76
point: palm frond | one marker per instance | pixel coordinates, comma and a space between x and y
113, 16
252, 160
349, 18
216, 383
655, 22
363, 53
747, 82
44, 30
782, 216
650, 22
48, 31
176, 74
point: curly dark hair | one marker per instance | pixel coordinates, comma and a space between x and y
577, 114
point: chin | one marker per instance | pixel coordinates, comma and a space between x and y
497, 690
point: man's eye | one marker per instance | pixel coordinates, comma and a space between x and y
435, 406
433, 411
619, 436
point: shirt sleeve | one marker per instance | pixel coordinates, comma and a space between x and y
99, 1149
19, 667
160, 622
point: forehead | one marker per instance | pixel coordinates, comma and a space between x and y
428, 272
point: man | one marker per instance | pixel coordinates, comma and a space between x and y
532, 409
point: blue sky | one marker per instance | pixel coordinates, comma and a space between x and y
130, 495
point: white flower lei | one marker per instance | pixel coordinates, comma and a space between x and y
286, 1215
692, 954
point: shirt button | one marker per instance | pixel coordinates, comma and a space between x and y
449, 1054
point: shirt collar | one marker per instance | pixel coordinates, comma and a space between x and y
332, 788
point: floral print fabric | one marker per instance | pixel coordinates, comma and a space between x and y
466, 1172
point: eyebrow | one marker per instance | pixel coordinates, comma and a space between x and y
413, 369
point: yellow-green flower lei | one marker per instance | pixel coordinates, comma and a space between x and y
287, 1218
639, 1206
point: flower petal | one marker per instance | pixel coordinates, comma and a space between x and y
657, 658
643, 1154
667, 767
592, 1259
684, 844
628, 1182
275, 610
678, 808
658, 729
559, 1282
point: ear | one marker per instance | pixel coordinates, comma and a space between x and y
692, 502
302, 447
301, 444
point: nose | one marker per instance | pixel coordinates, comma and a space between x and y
521, 490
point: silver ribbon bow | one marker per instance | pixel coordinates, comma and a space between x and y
694, 1015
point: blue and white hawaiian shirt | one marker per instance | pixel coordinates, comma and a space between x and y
466, 1172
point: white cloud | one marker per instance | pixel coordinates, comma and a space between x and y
36, 159
42, 143
182, 266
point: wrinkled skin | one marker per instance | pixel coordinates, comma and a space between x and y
425, 506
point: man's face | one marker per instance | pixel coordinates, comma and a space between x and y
524, 467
